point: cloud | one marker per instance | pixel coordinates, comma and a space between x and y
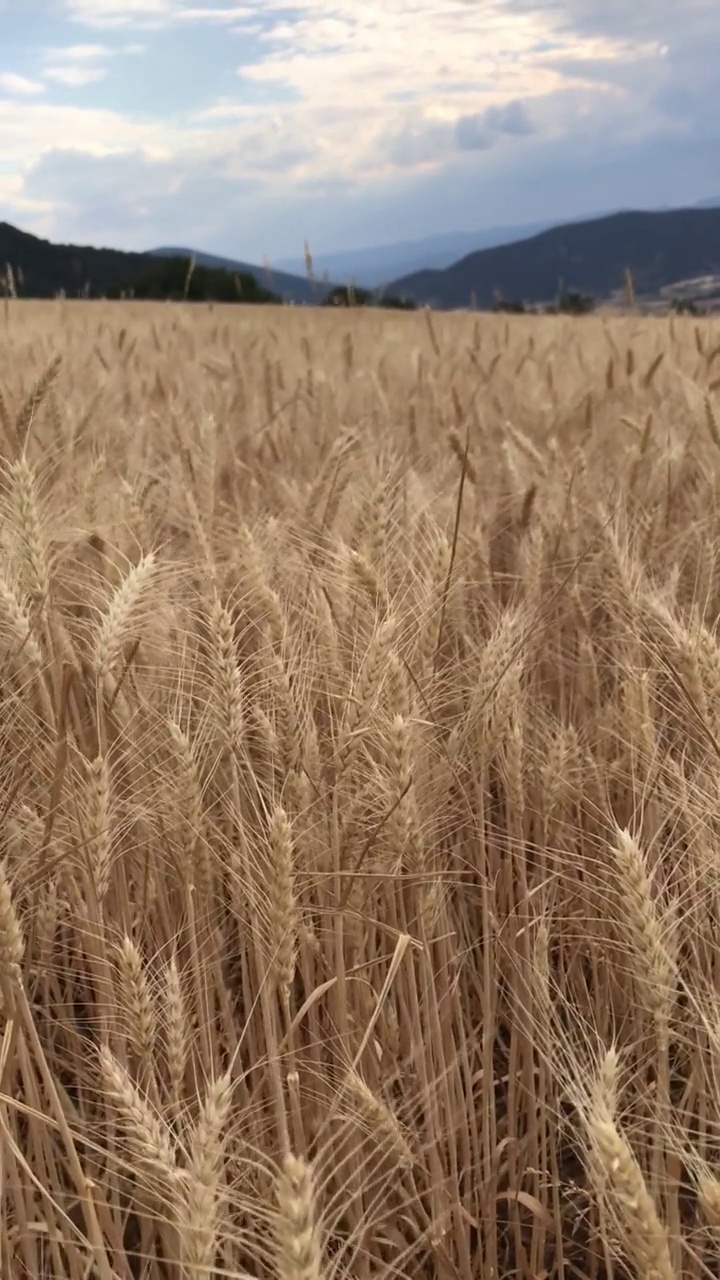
134, 201
76, 77
404, 82
78, 53
111, 13
616, 19
152, 13
17, 86
480, 131
510, 118
416, 110
27, 137
78, 65
420, 143
472, 134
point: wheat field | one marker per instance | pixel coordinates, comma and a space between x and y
360, 793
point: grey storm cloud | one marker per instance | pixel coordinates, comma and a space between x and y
419, 143
643, 19
510, 118
689, 30
480, 131
425, 141
472, 134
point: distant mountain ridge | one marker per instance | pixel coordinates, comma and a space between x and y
589, 257
374, 266
661, 248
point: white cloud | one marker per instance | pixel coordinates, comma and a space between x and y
14, 197
151, 13
78, 53
78, 65
116, 12
27, 136
18, 86
229, 14
75, 77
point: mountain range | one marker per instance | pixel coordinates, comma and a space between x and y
586, 257
661, 248
373, 267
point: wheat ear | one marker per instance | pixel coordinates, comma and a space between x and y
194, 853
146, 1133
199, 1229
380, 1120
620, 1183
19, 623
282, 906
656, 971
99, 829
12, 944
120, 611
177, 1037
136, 1001
298, 1239
32, 544
228, 690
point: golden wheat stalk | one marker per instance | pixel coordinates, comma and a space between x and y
228, 691
120, 613
19, 624
282, 907
298, 1246
380, 1121
148, 1138
177, 1030
30, 539
202, 1216
620, 1184
12, 945
645, 932
99, 824
136, 1001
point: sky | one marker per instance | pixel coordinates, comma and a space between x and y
248, 128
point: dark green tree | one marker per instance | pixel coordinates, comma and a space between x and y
348, 295
169, 279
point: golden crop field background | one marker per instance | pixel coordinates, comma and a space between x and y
360, 888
